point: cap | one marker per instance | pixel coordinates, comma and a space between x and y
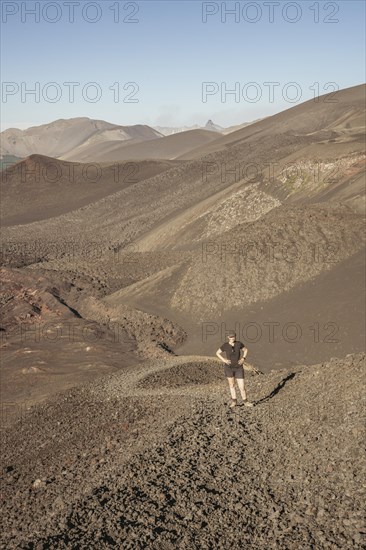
231, 334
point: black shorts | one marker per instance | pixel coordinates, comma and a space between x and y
234, 372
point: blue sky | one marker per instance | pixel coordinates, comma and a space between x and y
168, 53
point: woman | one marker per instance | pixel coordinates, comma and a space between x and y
236, 353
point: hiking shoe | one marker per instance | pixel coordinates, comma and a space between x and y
233, 403
247, 403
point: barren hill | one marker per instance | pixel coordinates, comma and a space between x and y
41, 187
59, 137
168, 147
278, 209
341, 112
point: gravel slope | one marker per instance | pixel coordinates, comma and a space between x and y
126, 462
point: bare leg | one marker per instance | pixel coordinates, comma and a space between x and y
243, 392
242, 389
232, 387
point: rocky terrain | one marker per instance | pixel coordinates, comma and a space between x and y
116, 430
152, 457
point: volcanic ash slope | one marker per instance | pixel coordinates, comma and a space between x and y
153, 458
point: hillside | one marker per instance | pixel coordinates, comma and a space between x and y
168, 147
208, 240
59, 137
341, 112
40, 187
197, 187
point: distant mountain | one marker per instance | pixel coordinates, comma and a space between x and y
213, 127
166, 147
169, 130
210, 125
61, 136
87, 140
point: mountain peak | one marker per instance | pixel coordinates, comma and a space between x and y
210, 125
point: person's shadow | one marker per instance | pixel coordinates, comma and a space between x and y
275, 391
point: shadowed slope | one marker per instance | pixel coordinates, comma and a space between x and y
41, 187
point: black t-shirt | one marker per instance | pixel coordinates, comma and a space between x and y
232, 352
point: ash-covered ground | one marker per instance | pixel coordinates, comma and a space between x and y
152, 457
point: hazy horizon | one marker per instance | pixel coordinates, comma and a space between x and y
25, 126
174, 63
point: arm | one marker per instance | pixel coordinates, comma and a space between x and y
243, 355
223, 359
249, 367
